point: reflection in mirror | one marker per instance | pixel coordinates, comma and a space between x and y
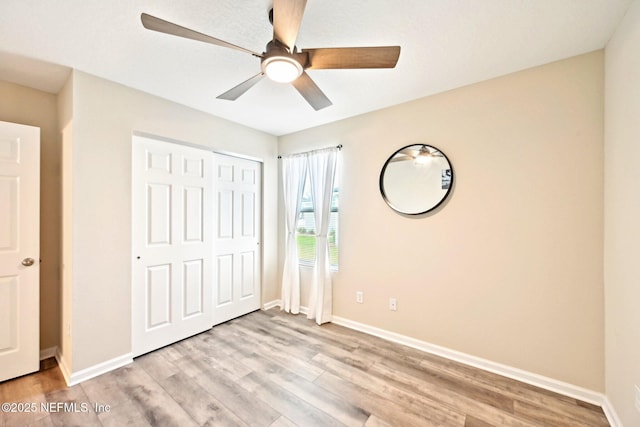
416, 179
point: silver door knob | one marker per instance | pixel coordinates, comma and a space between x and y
28, 262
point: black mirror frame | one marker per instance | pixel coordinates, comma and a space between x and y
384, 168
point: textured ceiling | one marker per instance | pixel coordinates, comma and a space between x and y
445, 44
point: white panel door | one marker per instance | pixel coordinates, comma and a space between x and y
19, 250
172, 189
238, 220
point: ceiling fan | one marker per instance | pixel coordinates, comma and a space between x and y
281, 61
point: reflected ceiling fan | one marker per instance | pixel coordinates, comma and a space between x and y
421, 156
281, 61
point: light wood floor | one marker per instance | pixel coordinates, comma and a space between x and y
273, 369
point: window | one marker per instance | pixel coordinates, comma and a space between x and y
305, 232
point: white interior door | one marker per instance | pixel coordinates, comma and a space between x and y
238, 220
172, 242
19, 250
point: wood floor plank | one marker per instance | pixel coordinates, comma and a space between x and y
216, 355
259, 356
374, 421
472, 421
501, 414
289, 380
387, 409
543, 399
270, 368
124, 414
432, 397
283, 422
314, 331
30, 389
204, 408
552, 418
327, 401
414, 378
277, 338
252, 411
105, 390
73, 414
42, 422
296, 409
157, 366
151, 399
272, 335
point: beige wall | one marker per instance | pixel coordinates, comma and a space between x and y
511, 268
28, 106
65, 124
622, 216
104, 116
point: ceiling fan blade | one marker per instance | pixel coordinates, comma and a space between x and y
352, 57
287, 16
162, 26
235, 92
410, 152
401, 159
311, 92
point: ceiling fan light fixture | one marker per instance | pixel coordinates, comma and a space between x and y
281, 69
424, 156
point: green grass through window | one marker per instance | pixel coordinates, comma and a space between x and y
307, 249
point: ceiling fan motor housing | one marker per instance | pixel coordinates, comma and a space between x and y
279, 64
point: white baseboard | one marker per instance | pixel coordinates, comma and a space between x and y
48, 352
272, 304
526, 377
278, 303
86, 374
66, 373
610, 413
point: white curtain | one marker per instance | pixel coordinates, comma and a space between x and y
322, 167
294, 172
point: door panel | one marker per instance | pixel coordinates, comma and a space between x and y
19, 249
248, 274
8, 312
248, 215
193, 287
158, 295
8, 213
159, 214
225, 214
193, 206
237, 245
172, 191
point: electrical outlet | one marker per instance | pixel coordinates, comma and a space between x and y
359, 297
637, 399
393, 304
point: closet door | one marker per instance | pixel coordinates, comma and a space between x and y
172, 242
237, 218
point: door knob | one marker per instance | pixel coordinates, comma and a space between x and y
28, 262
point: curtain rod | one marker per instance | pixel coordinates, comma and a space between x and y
339, 147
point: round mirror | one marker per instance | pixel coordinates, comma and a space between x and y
416, 179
